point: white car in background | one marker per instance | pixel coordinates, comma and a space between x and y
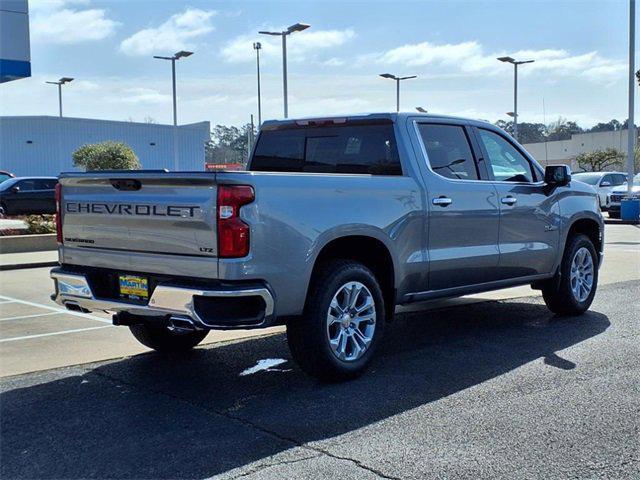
618, 193
603, 182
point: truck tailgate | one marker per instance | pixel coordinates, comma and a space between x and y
151, 213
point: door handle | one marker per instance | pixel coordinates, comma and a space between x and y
442, 201
509, 200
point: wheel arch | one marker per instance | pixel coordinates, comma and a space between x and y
369, 250
591, 228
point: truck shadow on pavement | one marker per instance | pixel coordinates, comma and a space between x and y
193, 416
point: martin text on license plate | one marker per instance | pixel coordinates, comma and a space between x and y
134, 286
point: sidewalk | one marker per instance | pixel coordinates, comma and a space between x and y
14, 261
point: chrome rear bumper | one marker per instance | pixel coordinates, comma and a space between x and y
74, 292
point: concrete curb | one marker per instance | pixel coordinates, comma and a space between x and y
20, 266
615, 221
28, 243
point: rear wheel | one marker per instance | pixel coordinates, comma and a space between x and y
573, 292
161, 339
336, 337
3, 210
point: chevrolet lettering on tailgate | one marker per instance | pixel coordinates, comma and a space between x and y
131, 209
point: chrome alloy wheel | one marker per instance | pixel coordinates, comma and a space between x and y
351, 321
582, 274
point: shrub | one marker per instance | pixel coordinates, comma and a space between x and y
106, 156
41, 224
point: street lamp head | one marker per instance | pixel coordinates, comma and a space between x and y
507, 59
257, 45
388, 75
182, 53
421, 110
511, 114
66, 80
297, 27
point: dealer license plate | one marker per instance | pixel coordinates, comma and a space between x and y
134, 287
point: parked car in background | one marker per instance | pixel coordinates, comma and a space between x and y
28, 196
5, 175
618, 193
603, 182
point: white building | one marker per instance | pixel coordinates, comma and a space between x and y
15, 51
566, 151
43, 145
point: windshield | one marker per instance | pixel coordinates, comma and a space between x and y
7, 184
589, 178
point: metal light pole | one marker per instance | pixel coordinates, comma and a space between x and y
297, 27
176, 56
631, 130
257, 46
515, 64
59, 83
398, 80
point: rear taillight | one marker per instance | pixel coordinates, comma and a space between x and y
233, 233
58, 213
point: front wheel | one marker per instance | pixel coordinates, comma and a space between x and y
161, 339
573, 292
336, 337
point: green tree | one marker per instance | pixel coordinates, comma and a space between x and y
610, 126
228, 144
106, 156
562, 129
527, 132
600, 160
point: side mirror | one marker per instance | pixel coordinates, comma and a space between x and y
605, 184
557, 175
15, 189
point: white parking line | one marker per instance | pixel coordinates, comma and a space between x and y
27, 337
54, 309
5, 301
29, 316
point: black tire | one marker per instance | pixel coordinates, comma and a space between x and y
3, 210
160, 339
614, 214
557, 293
308, 335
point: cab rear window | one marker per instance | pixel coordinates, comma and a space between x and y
363, 149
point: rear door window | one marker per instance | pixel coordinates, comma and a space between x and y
45, 184
360, 149
448, 151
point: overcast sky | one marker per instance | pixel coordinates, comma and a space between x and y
580, 48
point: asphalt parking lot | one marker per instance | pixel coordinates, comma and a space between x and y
498, 388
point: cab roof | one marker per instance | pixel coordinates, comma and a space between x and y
393, 117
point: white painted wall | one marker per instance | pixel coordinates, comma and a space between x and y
565, 151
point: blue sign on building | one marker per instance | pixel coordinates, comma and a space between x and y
15, 51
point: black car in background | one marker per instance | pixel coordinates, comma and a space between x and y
28, 196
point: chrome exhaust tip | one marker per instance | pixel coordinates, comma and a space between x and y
182, 325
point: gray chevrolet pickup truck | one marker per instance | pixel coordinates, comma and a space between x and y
336, 221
